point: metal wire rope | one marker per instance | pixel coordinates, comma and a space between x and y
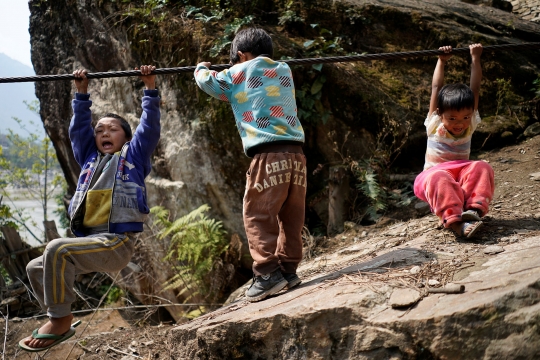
308, 61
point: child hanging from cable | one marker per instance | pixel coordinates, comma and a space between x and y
261, 93
457, 189
108, 207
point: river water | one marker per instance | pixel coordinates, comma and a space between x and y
32, 208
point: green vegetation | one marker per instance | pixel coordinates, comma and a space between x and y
113, 295
197, 242
230, 30
30, 164
536, 88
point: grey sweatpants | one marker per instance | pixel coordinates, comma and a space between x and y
52, 275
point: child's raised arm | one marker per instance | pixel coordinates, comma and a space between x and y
476, 71
149, 80
81, 81
215, 84
438, 78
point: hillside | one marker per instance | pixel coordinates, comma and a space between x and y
12, 97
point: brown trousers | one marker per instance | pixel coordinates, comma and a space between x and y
274, 206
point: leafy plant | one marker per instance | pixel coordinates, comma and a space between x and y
29, 163
114, 294
230, 29
371, 173
536, 88
197, 242
309, 96
368, 184
311, 108
6, 216
354, 16
5, 276
289, 15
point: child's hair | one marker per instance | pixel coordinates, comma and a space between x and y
123, 123
253, 40
455, 97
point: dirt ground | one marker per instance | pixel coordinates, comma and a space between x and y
514, 215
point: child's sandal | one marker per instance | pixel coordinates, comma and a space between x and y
470, 215
473, 226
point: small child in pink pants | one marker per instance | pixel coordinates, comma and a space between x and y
457, 189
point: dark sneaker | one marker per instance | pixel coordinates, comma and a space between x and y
292, 280
265, 285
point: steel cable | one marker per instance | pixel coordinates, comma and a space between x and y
308, 61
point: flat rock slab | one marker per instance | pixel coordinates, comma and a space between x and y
326, 318
404, 297
493, 249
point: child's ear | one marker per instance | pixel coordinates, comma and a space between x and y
242, 56
438, 112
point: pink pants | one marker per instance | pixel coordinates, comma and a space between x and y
454, 186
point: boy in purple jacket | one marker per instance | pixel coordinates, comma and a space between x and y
108, 207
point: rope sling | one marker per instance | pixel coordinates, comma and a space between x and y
308, 61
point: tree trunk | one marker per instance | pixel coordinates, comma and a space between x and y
338, 193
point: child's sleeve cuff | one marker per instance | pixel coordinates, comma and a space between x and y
83, 97
151, 93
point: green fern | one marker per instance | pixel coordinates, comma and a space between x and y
196, 243
369, 186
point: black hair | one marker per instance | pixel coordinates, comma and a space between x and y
253, 40
123, 123
455, 97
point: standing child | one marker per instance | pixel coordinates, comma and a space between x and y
261, 93
457, 189
108, 207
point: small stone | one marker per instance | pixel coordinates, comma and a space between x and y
433, 282
506, 134
134, 343
404, 297
532, 130
535, 176
415, 270
349, 225
364, 234
493, 249
11, 301
422, 208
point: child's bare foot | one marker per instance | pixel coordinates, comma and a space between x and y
55, 326
466, 229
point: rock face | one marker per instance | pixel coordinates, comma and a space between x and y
199, 158
342, 316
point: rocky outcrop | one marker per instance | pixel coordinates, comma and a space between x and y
344, 312
526, 9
